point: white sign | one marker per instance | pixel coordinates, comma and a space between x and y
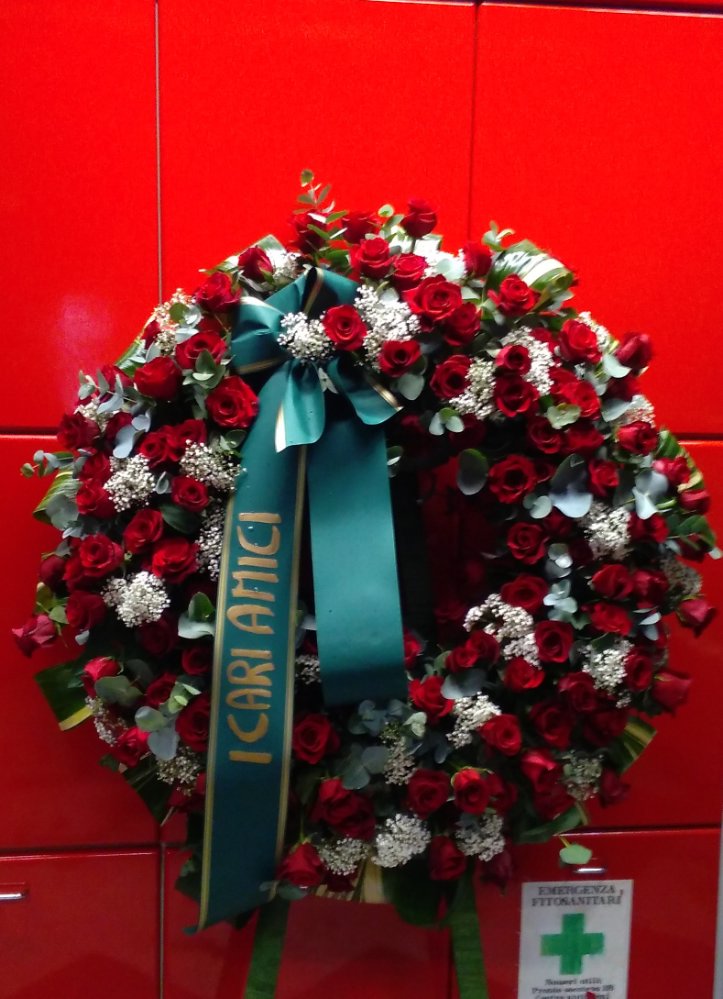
575, 941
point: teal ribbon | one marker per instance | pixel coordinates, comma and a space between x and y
358, 613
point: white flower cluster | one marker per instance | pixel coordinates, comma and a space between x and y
451, 267
385, 319
305, 338
210, 540
541, 359
131, 482
308, 669
607, 530
482, 837
137, 599
285, 265
400, 839
581, 775
89, 410
469, 714
501, 619
342, 856
210, 465
165, 340
607, 666
640, 409
602, 335
108, 726
476, 400
400, 765
684, 580
183, 769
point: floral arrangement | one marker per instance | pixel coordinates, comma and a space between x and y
545, 530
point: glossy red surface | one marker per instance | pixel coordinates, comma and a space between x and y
88, 926
613, 162
375, 97
78, 201
59, 794
335, 949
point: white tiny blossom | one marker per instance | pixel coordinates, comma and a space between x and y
131, 482
108, 726
308, 669
640, 409
504, 620
400, 765
182, 770
165, 340
305, 338
285, 265
607, 530
342, 856
607, 666
684, 580
138, 599
541, 359
210, 465
210, 540
89, 410
476, 400
385, 319
581, 775
470, 713
602, 334
482, 837
440, 262
400, 839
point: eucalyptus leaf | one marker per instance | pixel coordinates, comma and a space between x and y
164, 743
355, 776
575, 854
149, 720
471, 471
124, 441
613, 409
183, 521
410, 385
117, 690
466, 683
569, 487
562, 415
613, 367
375, 758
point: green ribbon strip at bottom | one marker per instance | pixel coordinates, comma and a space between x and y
469, 962
268, 946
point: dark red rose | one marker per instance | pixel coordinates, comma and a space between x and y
357, 225
131, 747
188, 352
514, 357
542, 435
115, 424
421, 218
583, 438
159, 690
347, 812
554, 640
604, 478
612, 789
512, 478
540, 769
182, 434
174, 559
650, 587
525, 591
93, 500
84, 610
192, 723
254, 264
639, 668
675, 470
156, 447
99, 556
603, 726
526, 542
51, 571
486, 646
515, 297
576, 392
232, 403
471, 791
638, 437
513, 395
499, 869
371, 257
446, 860
37, 632
74, 574
522, 675
652, 529
398, 356
76, 431
503, 794
305, 239
553, 722
216, 294
302, 866
313, 738
150, 331
144, 528
94, 669
477, 258
434, 300
461, 658
197, 659
159, 637
578, 342
503, 733
552, 803
610, 618
427, 695
694, 500
189, 493
613, 581
159, 379
450, 378
344, 327
579, 692
96, 468
407, 270
427, 791
622, 388
696, 614
462, 326
412, 648
670, 689
635, 351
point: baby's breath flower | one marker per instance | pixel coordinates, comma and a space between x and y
131, 482
138, 599
400, 839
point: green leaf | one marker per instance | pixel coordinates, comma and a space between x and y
569, 487
575, 854
575, 816
472, 471
306, 177
183, 521
188, 628
63, 689
562, 415
375, 758
154, 792
149, 720
64, 487
117, 690
201, 608
409, 889
410, 385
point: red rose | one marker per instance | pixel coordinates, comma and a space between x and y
99, 556
84, 610
450, 378
344, 327
504, 794
357, 225
638, 437
579, 692
696, 614
96, 467
434, 300
144, 528
613, 581
612, 789
254, 264
526, 542
157, 448
552, 803
347, 812
604, 478
635, 351
525, 591
639, 669
670, 690
463, 657
189, 493
232, 403
694, 500
159, 637
131, 747
604, 726
420, 219
216, 293
554, 640
576, 392
486, 646
462, 326
159, 379
76, 431
174, 559
503, 733
675, 470
477, 258
313, 738
188, 352
94, 669
37, 632
514, 357
197, 659
622, 388
115, 424
159, 690
192, 723
513, 395
412, 648
398, 356
540, 769
302, 867
407, 270
471, 791
553, 723
583, 438
427, 696
515, 297
52, 568
183, 434
93, 500
578, 342
542, 435
522, 675
427, 791
610, 618
446, 860
512, 478
371, 257
653, 529
650, 587
305, 239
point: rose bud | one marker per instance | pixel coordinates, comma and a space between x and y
696, 614
499, 869
612, 789
37, 632
131, 746
357, 225
302, 867
477, 258
635, 351
51, 571
670, 690
420, 219
694, 500
94, 669
446, 860
254, 264
675, 470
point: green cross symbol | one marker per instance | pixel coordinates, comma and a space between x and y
572, 945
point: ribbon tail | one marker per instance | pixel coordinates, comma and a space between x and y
356, 589
466, 944
253, 673
268, 946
